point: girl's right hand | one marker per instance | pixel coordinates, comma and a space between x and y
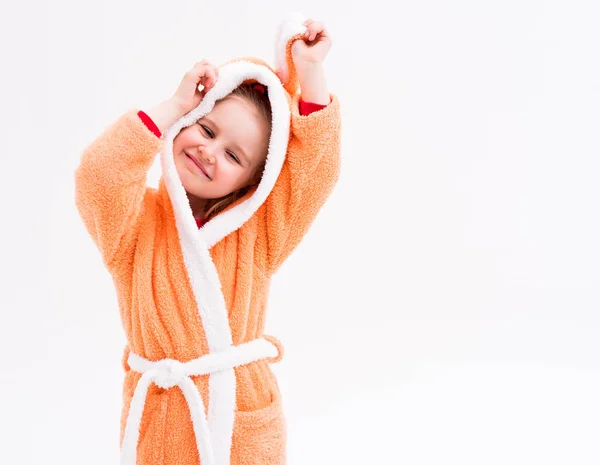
187, 96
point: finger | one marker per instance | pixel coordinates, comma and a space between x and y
307, 23
322, 36
324, 33
201, 66
205, 73
309, 31
195, 74
211, 78
206, 82
315, 28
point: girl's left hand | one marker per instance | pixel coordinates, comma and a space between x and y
313, 47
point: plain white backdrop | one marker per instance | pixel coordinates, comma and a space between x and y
445, 306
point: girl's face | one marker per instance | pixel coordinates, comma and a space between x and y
222, 151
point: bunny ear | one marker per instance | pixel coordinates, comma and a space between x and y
290, 29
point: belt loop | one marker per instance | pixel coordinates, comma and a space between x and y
273, 340
126, 352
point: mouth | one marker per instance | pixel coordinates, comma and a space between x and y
197, 164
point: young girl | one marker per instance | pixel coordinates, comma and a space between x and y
246, 165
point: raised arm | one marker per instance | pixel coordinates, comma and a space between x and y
308, 176
312, 164
110, 183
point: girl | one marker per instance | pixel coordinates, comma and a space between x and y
246, 165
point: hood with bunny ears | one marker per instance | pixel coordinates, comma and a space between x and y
282, 85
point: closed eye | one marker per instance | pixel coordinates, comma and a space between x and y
232, 155
207, 131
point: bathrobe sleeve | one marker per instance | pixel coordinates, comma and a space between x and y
110, 184
309, 173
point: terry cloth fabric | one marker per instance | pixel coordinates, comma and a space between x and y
198, 386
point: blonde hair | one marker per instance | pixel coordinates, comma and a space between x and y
261, 101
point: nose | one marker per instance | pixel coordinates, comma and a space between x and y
207, 152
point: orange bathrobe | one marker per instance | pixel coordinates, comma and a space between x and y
198, 387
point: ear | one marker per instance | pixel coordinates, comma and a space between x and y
290, 29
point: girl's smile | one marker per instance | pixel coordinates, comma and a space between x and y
197, 164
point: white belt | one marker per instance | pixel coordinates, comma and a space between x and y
168, 373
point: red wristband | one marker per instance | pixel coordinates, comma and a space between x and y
149, 123
306, 108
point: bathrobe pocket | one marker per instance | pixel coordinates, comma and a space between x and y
259, 436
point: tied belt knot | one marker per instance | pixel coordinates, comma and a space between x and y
170, 373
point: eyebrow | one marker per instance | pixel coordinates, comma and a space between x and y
236, 146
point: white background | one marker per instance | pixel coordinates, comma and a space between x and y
444, 307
